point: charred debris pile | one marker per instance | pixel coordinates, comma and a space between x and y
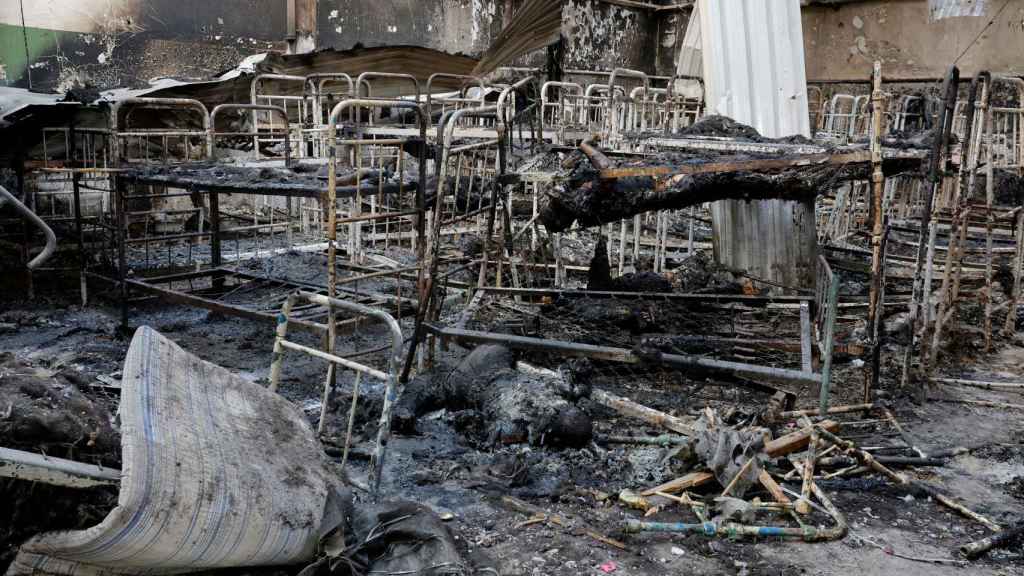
698, 368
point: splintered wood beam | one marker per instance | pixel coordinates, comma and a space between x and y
627, 407
55, 471
769, 483
691, 480
612, 193
779, 447
795, 441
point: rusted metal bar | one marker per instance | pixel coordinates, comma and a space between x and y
390, 377
753, 300
922, 281
29, 215
878, 216
379, 216
958, 224
625, 355
32, 467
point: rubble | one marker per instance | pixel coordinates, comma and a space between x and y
399, 316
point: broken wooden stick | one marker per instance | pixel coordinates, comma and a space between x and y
537, 513
796, 441
975, 549
901, 480
834, 410
627, 407
773, 487
597, 158
691, 480
736, 478
803, 505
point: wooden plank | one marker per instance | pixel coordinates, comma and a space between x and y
691, 480
795, 441
627, 407
55, 471
773, 487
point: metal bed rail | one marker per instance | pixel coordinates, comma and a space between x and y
389, 376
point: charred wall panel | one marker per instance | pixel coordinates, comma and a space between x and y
108, 43
601, 36
754, 73
465, 26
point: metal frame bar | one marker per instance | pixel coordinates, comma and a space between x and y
390, 377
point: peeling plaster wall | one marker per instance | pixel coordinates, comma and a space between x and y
111, 43
842, 42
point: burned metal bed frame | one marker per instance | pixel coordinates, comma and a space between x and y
816, 317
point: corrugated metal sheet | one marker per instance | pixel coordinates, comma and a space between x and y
939, 9
754, 63
690, 61
754, 73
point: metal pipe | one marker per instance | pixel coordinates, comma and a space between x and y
806, 533
51, 238
365, 76
430, 81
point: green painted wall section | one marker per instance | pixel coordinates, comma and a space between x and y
41, 43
